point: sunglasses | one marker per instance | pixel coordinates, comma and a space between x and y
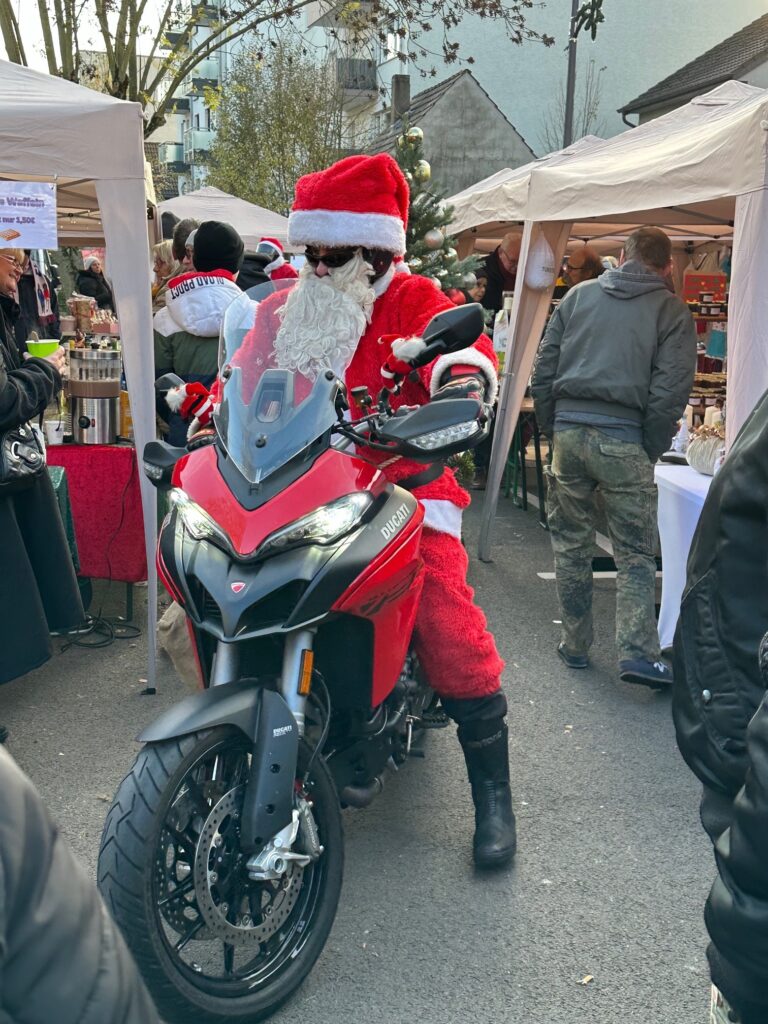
333, 259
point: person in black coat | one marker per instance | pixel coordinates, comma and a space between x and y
62, 958
91, 282
38, 304
501, 270
718, 691
38, 587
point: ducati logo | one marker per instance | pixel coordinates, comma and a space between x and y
237, 587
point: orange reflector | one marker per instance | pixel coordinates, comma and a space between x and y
305, 675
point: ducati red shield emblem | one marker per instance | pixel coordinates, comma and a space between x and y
237, 587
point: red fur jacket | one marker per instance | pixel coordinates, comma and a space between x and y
404, 309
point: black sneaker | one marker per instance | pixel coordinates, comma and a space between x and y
655, 674
572, 660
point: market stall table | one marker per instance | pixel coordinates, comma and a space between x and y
106, 509
682, 492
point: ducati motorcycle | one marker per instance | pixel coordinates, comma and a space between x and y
297, 565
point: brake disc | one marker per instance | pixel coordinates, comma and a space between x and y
236, 909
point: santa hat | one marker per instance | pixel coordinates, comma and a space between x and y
266, 243
361, 200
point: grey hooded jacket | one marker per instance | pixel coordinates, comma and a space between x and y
62, 958
622, 346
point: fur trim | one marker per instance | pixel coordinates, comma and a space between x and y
330, 227
193, 428
466, 357
381, 285
274, 265
408, 348
443, 516
175, 398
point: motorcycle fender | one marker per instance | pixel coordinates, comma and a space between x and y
267, 720
234, 704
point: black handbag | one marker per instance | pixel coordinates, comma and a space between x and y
22, 458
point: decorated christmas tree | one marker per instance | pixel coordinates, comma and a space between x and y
430, 251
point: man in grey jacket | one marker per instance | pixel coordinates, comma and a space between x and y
612, 378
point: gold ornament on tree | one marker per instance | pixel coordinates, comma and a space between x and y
451, 254
415, 264
434, 238
422, 171
415, 136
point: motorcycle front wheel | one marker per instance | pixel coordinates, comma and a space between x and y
213, 945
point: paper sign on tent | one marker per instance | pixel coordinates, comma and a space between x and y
28, 214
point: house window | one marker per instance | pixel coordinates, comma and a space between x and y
197, 120
396, 43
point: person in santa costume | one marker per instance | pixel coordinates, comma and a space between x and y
352, 310
277, 269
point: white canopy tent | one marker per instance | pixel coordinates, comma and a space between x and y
92, 147
252, 222
700, 172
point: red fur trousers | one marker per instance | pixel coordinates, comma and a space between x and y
455, 649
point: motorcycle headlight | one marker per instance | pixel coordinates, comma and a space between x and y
196, 521
323, 526
447, 435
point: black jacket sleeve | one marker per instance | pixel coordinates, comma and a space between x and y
61, 956
26, 391
737, 909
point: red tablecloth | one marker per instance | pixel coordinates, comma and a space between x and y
106, 509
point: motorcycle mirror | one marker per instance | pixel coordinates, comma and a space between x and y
159, 459
437, 430
451, 331
168, 381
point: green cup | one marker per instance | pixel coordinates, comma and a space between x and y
42, 348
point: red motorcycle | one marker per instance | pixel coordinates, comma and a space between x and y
297, 565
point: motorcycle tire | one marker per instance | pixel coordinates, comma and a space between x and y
134, 854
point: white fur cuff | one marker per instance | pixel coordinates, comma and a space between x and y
175, 398
408, 348
466, 357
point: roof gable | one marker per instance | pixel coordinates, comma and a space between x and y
730, 58
423, 102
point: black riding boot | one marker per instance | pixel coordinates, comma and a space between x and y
483, 738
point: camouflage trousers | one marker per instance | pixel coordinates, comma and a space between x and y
586, 461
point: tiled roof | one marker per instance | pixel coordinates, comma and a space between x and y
421, 104
728, 59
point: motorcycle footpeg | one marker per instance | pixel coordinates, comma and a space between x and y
434, 718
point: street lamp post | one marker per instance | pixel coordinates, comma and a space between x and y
570, 88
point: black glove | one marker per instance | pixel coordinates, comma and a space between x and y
201, 438
465, 385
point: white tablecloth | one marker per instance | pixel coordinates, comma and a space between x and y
682, 492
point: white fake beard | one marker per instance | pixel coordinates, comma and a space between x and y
324, 318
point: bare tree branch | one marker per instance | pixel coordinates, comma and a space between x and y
9, 28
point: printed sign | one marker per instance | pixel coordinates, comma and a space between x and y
28, 215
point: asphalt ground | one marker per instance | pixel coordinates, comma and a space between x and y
612, 870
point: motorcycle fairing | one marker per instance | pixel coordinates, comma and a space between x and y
332, 475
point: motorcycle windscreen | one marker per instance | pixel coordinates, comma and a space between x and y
271, 406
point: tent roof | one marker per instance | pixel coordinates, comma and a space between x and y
251, 221
698, 156
500, 200
56, 129
729, 59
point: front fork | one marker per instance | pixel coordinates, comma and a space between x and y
295, 678
268, 807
